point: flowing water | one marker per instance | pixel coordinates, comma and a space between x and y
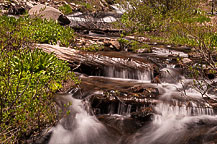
179, 114
78, 126
122, 104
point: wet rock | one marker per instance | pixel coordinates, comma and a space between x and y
147, 91
49, 13
212, 88
145, 50
143, 115
211, 136
171, 75
116, 102
110, 2
122, 124
156, 80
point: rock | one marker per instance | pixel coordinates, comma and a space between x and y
212, 89
145, 50
113, 44
156, 80
146, 91
143, 115
210, 73
186, 61
30, 4
16, 10
139, 39
63, 20
110, 2
47, 12
123, 125
170, 75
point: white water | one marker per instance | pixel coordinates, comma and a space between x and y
107, 19
124, 109
118, 8
168, 52
172, 123
126, 74
77, 19
177, 115
78, 127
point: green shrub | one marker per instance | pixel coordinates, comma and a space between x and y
93, 48
28, 78
124, 43
133, 45
154, 15
66, 9
27, 81
36, 30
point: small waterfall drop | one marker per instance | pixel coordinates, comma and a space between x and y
173, 124
114, 72
124, 109
78, 126
131, 108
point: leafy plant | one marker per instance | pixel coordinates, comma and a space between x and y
66, 9
154, 15
93, 47
29, 77
27, 81
37, 30
136, 46
133, 45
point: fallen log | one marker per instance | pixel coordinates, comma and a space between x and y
96, 61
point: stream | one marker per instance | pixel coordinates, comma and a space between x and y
121, 100
117, 102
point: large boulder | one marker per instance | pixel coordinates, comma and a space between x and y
49, 13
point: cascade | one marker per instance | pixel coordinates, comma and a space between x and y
78, 126
119, 103
174, 124
115, 72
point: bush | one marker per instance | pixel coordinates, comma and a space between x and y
66, 9
27, 81
177, 22
36, 30
152, 15
133, 45
93, 48
29, 78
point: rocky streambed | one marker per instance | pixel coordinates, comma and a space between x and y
130, 97
127, 97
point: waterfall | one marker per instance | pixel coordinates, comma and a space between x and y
122, 105
115, 72
124, 109
78, 126
174, 124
